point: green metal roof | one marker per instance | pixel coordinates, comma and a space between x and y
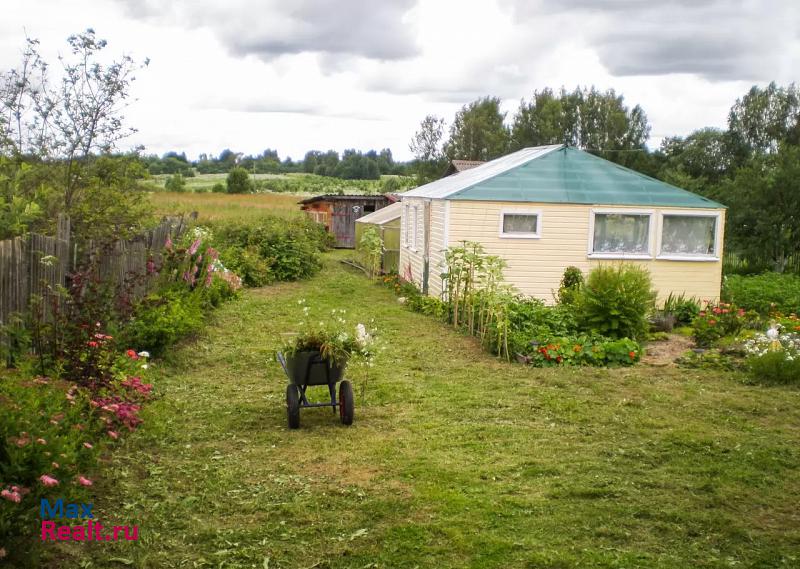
568, 175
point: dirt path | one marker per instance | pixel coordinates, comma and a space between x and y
665, 352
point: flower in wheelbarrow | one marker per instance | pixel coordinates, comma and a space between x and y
362, 336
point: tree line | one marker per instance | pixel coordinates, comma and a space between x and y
350, 165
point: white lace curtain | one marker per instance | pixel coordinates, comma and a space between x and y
520, 223
688, 235
621, 233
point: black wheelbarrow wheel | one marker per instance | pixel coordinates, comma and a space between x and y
293, 406
347, 403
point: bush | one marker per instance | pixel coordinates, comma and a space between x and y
770, 292
682, 308
774, 367
571, 284
164, 318
616, 301
239, 182
719, 320
175, 183
273, 248
218, 188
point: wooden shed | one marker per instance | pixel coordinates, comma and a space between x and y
339, 213
546, 208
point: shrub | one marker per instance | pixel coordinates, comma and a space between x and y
774, 367
770, 292
571, 284
249, 265
238, 181
164, 318
719, 320
616, 301
218, 188
370, 248
175, 183
682, 308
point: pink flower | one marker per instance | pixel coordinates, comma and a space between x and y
84, 481
3, 552
132, 354
168, 243
11, 496
194, 247
48, 480
113, 434
88, 445
41, 441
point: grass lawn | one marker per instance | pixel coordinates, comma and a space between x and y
456, 460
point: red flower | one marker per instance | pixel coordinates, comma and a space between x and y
632, 355
132, 354
712, 322
92, 344
559, 359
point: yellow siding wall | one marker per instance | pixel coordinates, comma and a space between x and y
535, 266
437, 247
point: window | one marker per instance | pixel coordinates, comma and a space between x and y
620, 234
520, 224
369, 208
688, 236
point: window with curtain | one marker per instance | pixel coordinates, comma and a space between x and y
689, 235
621, 233
520, 224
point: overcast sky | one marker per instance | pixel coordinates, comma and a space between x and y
317, 74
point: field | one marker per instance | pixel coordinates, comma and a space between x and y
226, 206
297, 183
456, 459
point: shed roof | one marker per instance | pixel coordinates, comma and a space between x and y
461, 165
344, 197
383, 215
559, 174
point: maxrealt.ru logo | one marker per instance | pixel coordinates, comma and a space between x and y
90, 531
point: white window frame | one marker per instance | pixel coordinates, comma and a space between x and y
651, 233
536, 235
677, 256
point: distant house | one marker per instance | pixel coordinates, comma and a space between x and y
339, 213
543, 209
457, 166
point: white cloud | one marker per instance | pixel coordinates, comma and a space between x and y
321, 74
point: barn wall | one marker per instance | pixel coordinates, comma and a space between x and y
535, 266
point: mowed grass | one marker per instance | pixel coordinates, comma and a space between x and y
455, 460
211, 206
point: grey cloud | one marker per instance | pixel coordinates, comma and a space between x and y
715, 39
269, 29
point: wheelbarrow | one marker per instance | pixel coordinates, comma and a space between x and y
308, 368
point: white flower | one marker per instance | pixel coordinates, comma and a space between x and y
772, 333
144, 354
145, 366
362, 336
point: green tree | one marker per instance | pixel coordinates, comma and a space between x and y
764, 201
239, 182
478, 131
430, 160
764, 118
175, 183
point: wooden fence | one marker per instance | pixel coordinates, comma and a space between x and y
736, 264
37, 265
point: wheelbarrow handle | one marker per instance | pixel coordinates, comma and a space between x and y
282, 361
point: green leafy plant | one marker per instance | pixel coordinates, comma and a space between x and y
716, 321
238, 181
683, 308
370, 248
175, 183
571, 284
616, 301
333, 337
767, 293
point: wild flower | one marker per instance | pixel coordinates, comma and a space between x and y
88, 445
83, 481
11, 496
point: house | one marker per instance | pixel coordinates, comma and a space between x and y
457, 166
387, 222
546, 208
338, 213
